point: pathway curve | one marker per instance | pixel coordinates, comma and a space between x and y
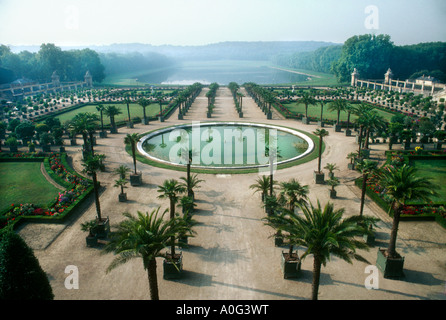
233, 255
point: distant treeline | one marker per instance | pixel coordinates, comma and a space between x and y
70, 65
372, 55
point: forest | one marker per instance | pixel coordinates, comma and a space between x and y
71, 65
372, 55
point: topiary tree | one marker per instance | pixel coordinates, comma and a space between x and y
21, 277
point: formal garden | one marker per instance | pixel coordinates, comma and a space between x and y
409, 186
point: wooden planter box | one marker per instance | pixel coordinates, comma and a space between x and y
332, 194
318, 177
122, 197
269, 115
240, 114
103, 228
391, 268
91, 241
321, 124
348, 133
102, 134
136, 179
173, 269
338, 128
290, 268
305, 120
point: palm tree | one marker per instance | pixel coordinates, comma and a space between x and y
144, 236
362, 112
321, 133
331, 167
144, 103
85, 124
374, 122
366, 167
262, 185
122, 171
112, 111
127, 102
170, 190
191, 182
321, 102
132, 140
349, 109
323, 233
160, 100
91, 166
307, 99
120, 183
292, 193
101, 109
402, 184
338, 105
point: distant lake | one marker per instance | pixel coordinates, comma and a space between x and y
221, 71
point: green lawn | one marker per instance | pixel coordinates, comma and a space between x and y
435, 171
135, 111
23, 182
315, 111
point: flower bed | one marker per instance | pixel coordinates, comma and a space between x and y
426, 211
78, 188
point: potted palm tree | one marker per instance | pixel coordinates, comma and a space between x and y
273, 207
319, 175
120, 183
333, 182
173, 263
352, 157
338, 105
307, 99
91, 166
144, 236
112, 111
91, 238
366, 167
262, 185
323, 232
100, 108
331, 167
122, 171
401, 184
293, 193
132, 140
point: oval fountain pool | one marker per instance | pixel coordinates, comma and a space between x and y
221, 145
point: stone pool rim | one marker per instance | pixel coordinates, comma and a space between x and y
156, 132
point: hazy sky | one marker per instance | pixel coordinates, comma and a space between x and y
198, 22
